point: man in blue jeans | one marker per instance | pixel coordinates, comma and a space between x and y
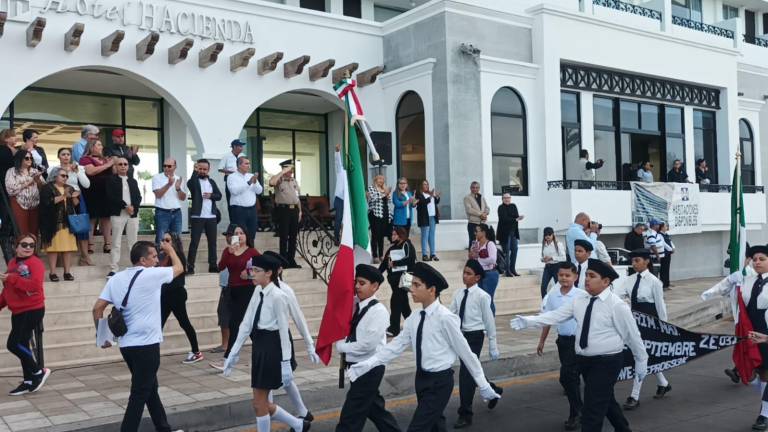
169, 194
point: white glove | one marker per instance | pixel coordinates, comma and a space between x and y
518, 323
494, 351
355, 371
641, 370
313, 357
286, 372
229, 364
487, 393
340, 346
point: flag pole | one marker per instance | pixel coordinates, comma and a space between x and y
342, 356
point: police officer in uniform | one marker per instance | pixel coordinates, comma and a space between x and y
367, 333
287, 210
646, 295
604, 325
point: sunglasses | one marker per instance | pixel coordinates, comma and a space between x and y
167, 166
64, 175
27, 158
125, 164
25, 245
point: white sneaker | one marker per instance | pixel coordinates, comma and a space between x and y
193, 358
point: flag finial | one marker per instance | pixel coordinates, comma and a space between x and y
738, 155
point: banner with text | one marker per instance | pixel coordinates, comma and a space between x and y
669, 346
674, 203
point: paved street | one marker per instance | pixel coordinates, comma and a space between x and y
702, 399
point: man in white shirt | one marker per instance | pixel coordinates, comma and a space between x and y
473, 307
338, 195
604, 325
582, 249
244, 188
228, 165
367, 334
137, 291
434, 333
562, 294
654, 241
169, 195
203, 215
600, 250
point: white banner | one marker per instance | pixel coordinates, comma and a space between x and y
677, 204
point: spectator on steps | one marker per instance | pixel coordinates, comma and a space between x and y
58, 200
635, 239
98, 167
22, 183
124, 200
204, 214
222, 312
483, 249
77, 180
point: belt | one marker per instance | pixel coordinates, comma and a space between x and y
167, 210
599, 357
347, 365
289, 206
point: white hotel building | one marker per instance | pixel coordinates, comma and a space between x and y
505, 92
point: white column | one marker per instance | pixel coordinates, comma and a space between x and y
367, 10
718, 10
588, 124
334, 6
690, 158
296, 3
666, 16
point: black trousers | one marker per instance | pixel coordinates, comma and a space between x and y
433, 391
238, 304
378, 232
664, 271
471, 233
143, 362
467, 384
288, 229
365, 402
600, 374
22, 326
198, 226
174, 300
228, 195
398, 303
569, 373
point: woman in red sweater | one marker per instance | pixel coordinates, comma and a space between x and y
24, 296
235, 259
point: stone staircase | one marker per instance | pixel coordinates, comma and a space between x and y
69, 336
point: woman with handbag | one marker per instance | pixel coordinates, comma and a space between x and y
58, 200
22, 183
403, 203
78, 180
484, 250
398, 261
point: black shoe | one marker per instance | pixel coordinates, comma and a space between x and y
295, 265
69, 277
573, 423
213, 269
760, 424
309, 417
493, 402
733, 374
425, 258
22, 389
462, 422
514, 273
53, 277
631, 404
434, 258
40, 380
191, 271
661, 391
304, 428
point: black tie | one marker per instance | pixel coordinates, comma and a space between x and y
419, 331
463, 306
258, 311
578, 276
584, 339
757, 288
353, 326
634, 290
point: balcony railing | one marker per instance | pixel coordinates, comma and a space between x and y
702, 27
629, 7
623, 185
756, 41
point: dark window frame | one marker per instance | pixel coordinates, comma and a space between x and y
524, 156
398, 117
713, 169
751, 140
569, 125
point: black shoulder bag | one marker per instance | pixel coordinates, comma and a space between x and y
115, 320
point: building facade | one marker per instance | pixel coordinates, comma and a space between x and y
503, 92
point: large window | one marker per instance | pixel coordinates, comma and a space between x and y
571, 134
730, 12
747, 148
705, 140
673, 125
411, 145
689, 9
508, 142
605, 137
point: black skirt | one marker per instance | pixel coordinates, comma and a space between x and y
266, 355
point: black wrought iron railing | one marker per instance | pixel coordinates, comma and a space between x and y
623, 185
702, 27
630, 8
316, 245
754, 40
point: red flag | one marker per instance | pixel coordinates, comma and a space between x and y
746, 355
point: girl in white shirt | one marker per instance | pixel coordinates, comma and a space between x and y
552, 253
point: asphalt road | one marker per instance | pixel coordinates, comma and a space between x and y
702, 399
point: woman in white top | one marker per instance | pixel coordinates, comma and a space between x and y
78, 180
552, 253
427, 217
484, 250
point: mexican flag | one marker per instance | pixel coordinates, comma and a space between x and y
738, 242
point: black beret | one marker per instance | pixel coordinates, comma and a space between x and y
603, 269
640, 253
430, 276
586, 244
279, 258
369, 272
265, 262
476, 267
762, 249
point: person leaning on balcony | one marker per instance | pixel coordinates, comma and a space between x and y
588, 168
22, 183
124, 200
677, 174
702, 172
644, 173
477, 210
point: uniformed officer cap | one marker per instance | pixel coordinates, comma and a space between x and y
279, 258
287, 162
369, 273
265, 262
430, 276
603, 269
587, 245
762, 249
640, 253
476, 267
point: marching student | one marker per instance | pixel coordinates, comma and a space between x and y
755, 298
266, 323
604, 324
367, 334
646, 295
563, 293
473, 307
435, 335
582, 250
294, 310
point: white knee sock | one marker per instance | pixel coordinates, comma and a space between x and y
764, 409
293, 392
636, 386
263, 423
282, 416
662, 380
270, 398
